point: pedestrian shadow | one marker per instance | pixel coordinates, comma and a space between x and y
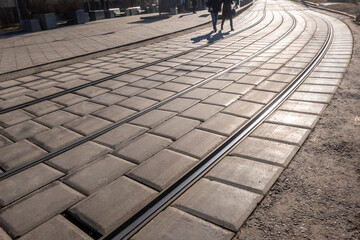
210, 39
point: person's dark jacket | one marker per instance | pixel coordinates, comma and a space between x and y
193, 3
215, 5
226, 11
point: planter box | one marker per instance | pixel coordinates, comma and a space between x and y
31, 25
109, 14
77, 17
96, 15
47, 20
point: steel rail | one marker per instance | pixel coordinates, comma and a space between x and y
100, 132
167, 196
77, 88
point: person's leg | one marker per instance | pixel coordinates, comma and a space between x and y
231, 24
222, 23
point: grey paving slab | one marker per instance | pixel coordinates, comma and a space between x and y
42, 108
92, 91
162, 169
19, 153
243, 109
175, 127
266, 151
84, 108
179, 104
271, 86
223, 124
78, 157
114, 113
56, 118
176, 224
97, 174
4, 141
15, 101
129, 91
246, 174
25, 182
57, 228
217, 84
197, 143
24, 130
112, 204
69, 99
294, 119
14, 117
311, 97
317, 88
237, 88
226, 206
137, 103
262, 97
222, 99
304, 107
87, 124
282, 133
202, 112
153, 118
55, 138
143, 148
111, 84
121, 134
38, 208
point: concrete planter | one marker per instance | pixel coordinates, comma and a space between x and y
109, 14
77, 17
47, 20
31, 25
96, 15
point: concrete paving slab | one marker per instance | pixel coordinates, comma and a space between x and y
293, 119
223, 124
237, 88
57, 228
311, 97
226, 206
97, 174
221, 99
76, 158
112, 204
153, 118
19, 153
266, 151
55, 138
143, 148
26, 182
24, 130
175, 127
114, 113
303, 107
42, 108
162, 169
37, 208
15, 101
11, 118
197, 143
176, 224
199, 93
119, 135
201, 111
4, 141
262, 97
69, 99
246, 174
84, 108
56, 118
243, 109
87, 124
282, 133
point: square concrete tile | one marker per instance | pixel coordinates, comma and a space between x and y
69, 99
238, 88
178, 104
56, 138
78, 156
97, 174
243, 109
14, 117
175, 127
201, 111
226, 206
24, 130
304, 107
84, 108
176, 224
272, 152
112, 204
262, 97
162, 169
137, 103
157, 94
223, 124
87, 125
294, 119
91, 91
197, 143
56, 118
143, 148
19, 153
114, 113
42, 108
153, 118
221, 99
199, 93
246, 174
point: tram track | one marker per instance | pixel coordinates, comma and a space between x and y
170, 194
167, 196
101, 80
96, 134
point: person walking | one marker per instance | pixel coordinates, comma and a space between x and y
194, 5
214, 9
226, 13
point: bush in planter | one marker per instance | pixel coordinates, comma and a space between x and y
44, 11
71, 9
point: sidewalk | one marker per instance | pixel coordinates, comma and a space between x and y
23, 51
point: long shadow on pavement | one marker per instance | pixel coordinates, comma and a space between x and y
210, 39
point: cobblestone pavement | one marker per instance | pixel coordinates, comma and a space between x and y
92, 188
28, 50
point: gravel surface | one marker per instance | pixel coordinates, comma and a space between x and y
318, 195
